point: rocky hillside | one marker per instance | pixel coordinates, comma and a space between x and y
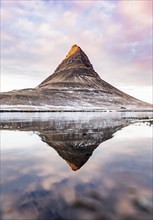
73, 86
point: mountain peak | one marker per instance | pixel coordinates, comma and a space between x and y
74, 49
76, 58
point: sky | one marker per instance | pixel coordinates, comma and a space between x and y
36, 35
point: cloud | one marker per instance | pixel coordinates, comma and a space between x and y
116, 35
138, 12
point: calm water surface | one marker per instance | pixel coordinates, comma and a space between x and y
92, 166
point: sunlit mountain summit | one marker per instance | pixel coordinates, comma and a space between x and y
74, 86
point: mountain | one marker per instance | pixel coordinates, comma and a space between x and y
73, 86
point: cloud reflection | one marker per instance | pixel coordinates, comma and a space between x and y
112, 184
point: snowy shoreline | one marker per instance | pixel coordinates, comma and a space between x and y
73, 110
51, 108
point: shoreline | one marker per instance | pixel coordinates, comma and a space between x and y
81, 110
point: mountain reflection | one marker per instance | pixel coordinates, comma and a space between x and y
115, 184
76, 146
73, 139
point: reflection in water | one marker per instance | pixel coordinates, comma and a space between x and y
76, 145
73, 141
115, 184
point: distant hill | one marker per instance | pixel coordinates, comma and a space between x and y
73, 86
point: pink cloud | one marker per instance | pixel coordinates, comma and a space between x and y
138, 12
114, 34
81, 5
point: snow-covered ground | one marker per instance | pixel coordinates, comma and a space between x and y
82, 107
75, 116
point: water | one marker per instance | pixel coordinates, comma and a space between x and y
76, 166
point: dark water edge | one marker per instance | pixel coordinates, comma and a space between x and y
95, 166
66, 110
